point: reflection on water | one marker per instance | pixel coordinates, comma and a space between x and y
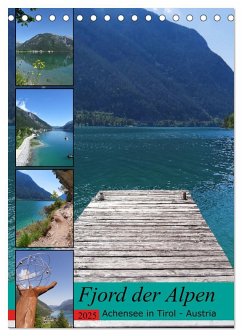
52, 61
58, 68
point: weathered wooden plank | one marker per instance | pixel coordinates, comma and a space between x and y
139, 220
140, 205
150, 236
92, 278
151, 262
142, 211
138, 233
148, 245
143, 224
141, 229
140, 200
186, 272
140, 217
145, 239
143, 191
79, 252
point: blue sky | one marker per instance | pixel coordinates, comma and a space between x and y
58, 27
54, 106
45, 179
219, 35
61, 264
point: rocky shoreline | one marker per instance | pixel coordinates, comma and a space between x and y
23, 153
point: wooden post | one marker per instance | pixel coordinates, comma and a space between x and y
184, 196
100, 196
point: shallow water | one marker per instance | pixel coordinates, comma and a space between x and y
54, 151
58, 68
28, 212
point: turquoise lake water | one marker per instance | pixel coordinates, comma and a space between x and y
28, 212
58, 68
55, 149
197, 159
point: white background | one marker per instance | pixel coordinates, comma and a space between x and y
5, 4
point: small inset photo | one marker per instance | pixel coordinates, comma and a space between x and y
44, 47
44, 127
44, 208
44, 289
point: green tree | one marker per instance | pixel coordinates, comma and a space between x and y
54, 196
60, 322
229, 121
38, 320
19, 12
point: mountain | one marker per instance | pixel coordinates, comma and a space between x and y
29, 119
65, 306
43, 308
47, 42
149, 72
63, 197
27, 189
68, 126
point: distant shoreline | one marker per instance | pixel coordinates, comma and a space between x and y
42, 52
146, 126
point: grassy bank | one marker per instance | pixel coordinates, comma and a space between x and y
20, 79
39, 229
21, 134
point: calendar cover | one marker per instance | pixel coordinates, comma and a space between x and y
121, 152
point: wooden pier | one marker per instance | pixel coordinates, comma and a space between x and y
147, 235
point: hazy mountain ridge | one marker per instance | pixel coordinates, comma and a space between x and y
47, 42
27, 189
68, 126
66, 305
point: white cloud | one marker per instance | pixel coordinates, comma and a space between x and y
22, 104
25, 274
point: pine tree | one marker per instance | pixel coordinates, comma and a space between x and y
38, 319
61, 321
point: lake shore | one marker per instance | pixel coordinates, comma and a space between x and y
36, 145
54, 230
23, 153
